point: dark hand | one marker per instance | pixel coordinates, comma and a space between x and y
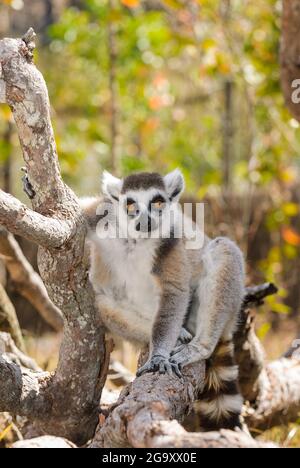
161, 364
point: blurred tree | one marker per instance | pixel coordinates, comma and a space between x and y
154, 84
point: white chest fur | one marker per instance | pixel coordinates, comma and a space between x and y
132, 290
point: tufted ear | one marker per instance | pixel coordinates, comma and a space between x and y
174, 183
111, 186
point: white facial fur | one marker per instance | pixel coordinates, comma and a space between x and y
161, 224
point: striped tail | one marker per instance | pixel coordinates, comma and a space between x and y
220, 403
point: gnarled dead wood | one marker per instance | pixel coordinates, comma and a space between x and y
14, 354
8, 318
142, 416
26, 281
65, 403
161, 397
145, 414
44, 442
272, 389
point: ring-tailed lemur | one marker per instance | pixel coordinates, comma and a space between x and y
184, 303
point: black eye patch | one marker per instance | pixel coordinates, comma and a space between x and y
130, 201
157, 203
132, 207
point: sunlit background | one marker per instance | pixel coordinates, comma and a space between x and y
158, 84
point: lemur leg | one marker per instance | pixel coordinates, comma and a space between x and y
220, 294
166, 331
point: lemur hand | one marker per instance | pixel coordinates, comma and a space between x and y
161, 364
184, 337
186, 354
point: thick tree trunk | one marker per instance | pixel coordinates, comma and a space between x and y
66, 403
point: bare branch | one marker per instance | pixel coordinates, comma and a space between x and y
9, 348
26, 281
278, 398
44, 442
8, 318
143, 416
19, 219
20, 390
161, 396
170, 434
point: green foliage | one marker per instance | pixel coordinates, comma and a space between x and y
168, 69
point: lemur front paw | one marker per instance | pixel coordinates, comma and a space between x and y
161, 364
184, 337
189, 353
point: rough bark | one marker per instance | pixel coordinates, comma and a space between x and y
161, 397
145, 414
278, 399
272, 389
290, 53
66, 403
27, 282
249, 353
165, 434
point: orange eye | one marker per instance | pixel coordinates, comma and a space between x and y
131, 208
158, 205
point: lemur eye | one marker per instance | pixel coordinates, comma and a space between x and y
158, 203
131, 207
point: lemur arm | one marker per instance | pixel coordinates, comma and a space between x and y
221, 292
167, 327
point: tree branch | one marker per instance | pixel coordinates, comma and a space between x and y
20, 220
142, 416
278, 397
44, 442
8, 318
146, 411
9, 348
162, 397
26, 281
66, 403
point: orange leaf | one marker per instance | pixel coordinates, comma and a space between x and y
131, 3
155, 102
291, 236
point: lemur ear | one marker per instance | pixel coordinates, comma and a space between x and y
174, 183
111, 186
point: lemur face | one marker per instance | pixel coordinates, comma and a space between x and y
145, 202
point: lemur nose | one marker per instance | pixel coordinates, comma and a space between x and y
144, 226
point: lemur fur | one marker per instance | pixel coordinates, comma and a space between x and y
183, 302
